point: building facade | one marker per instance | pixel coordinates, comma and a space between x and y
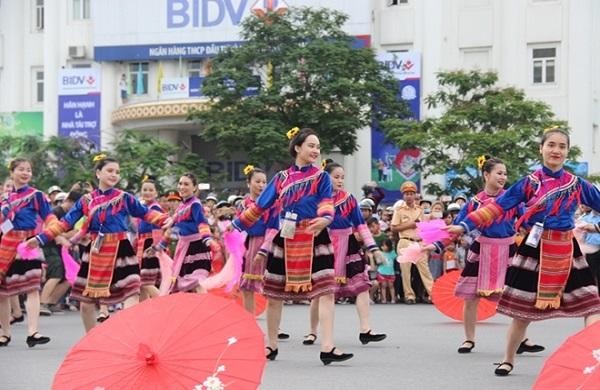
146, 59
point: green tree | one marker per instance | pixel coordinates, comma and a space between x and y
141, 155
64, 161
56, 161
306, 73
478, 118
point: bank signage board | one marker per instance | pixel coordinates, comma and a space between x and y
79, 104
170, 29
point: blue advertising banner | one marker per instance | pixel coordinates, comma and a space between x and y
390, 166
161, 51
79, 104
79, 117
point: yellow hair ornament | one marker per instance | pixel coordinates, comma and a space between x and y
323, 164
248, 169
480, 161
99, 157
551, 128
292, 132
146, 177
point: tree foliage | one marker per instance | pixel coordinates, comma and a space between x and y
64, 161
307, 74
477, 118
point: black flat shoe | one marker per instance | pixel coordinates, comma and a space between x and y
4, 340
523, 347
32, 341
17, 319
467, 346
282, 336
368, 337
102, 317
503, 371
309, 339
272, 353
330, 357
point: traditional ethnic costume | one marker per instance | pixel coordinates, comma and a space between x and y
350, 267
259, 239
21, 207
301, 267
192, 259
552, 279
489, 255
149, 235
110, 271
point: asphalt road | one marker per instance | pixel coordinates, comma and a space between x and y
420, 352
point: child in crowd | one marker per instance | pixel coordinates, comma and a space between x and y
385, 272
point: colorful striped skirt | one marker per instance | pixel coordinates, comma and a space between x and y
322, 272
125, 281
350, 266
196, 263
23, 276
254, 271
579, 299
149, 266
466, 286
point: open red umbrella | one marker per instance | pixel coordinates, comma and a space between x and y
442, 295
260, 302
575, 364
180, 341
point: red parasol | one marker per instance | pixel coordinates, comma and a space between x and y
260, 302
180, 341
444, 300
575, 364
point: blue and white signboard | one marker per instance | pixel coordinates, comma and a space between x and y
152, 30
79, 104
390, 166
175, 88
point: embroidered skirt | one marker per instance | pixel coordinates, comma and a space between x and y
466, 286
579, 299
322, 273
125, 281
149, 266
23, 276
195, 267
351, 264
254, 271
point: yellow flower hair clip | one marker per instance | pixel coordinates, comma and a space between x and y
99, 157
555, 127
248, 169
292, 132
480, 161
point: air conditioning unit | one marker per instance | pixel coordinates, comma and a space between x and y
76, 52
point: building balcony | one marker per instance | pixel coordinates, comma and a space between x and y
150, 114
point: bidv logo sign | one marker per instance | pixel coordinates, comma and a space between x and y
78, 81
402, 65
204, 13
175, 88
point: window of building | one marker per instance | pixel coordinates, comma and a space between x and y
38, 85
81, 9
476, 58
396, 2
544, 65
138, 75
194, 68
39, 15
